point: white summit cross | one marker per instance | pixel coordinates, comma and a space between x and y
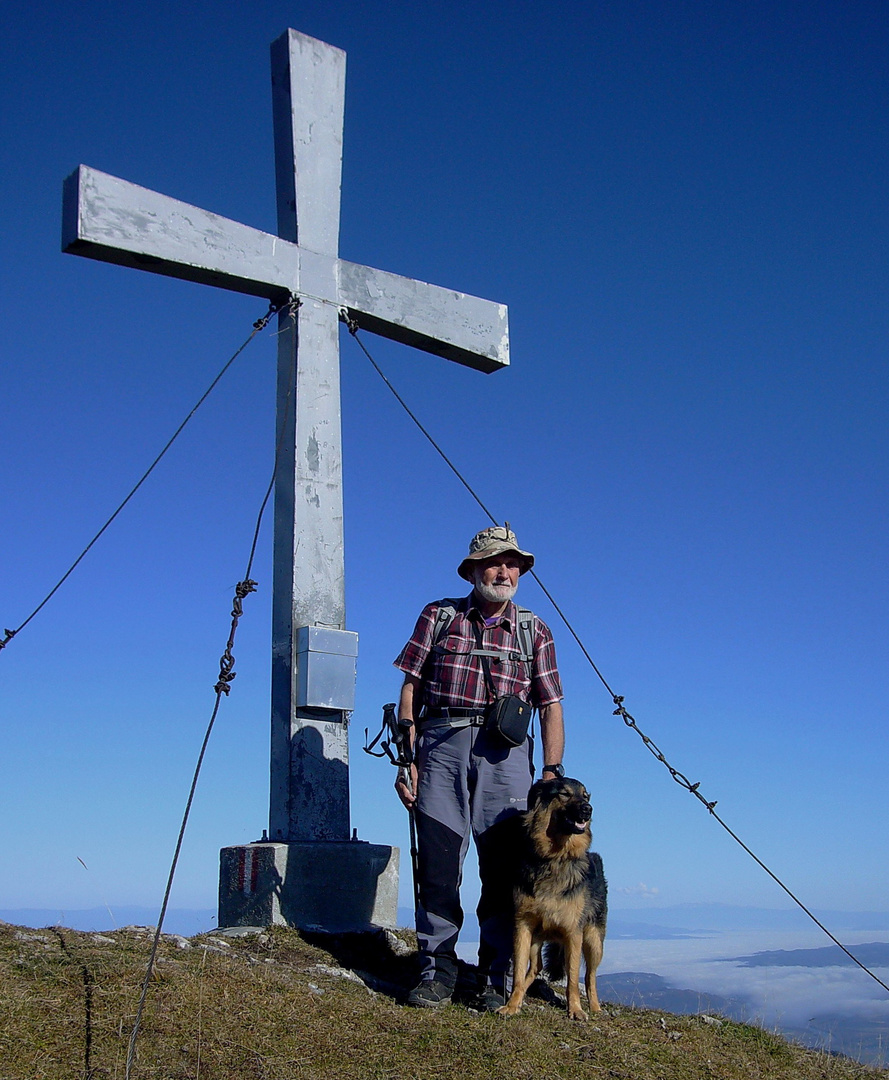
309, 857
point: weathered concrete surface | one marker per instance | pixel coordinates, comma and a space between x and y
350, 885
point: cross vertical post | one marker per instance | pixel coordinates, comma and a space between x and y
309, 744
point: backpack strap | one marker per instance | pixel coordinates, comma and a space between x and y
525, 627
443, 619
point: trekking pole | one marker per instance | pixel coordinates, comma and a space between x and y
402, 756
415, 855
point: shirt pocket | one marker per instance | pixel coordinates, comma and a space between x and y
509, 676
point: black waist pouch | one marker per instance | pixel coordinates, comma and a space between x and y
507, 719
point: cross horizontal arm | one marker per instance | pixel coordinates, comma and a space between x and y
115, 221
106, 218
454, 325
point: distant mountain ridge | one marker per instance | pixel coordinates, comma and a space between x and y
645, 990
184, 921
870, 953
682, 920
696, 917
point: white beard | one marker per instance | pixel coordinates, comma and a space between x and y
495, 594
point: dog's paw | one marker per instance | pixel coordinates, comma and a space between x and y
507, 1010
577, 1014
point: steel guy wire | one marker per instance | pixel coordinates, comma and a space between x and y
226, 674
223, 686
617, 699
353, 330
258, 326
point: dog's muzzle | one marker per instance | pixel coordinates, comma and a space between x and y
579, 815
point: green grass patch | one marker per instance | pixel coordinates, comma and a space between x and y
282, 1005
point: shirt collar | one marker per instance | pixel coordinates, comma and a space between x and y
507, 619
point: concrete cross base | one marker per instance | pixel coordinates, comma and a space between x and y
331, 886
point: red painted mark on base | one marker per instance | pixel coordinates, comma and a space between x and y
248, 871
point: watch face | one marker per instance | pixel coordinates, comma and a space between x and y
557, 770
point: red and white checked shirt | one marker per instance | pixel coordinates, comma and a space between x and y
454, 678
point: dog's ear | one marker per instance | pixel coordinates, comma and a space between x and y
534, 795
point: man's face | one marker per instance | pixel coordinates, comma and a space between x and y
497, 578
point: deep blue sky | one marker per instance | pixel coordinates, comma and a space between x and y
684, 206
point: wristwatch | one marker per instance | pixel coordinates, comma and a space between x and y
558, 771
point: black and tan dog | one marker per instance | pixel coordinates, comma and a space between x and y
559, 891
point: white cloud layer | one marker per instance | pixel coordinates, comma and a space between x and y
640, 890
779, 996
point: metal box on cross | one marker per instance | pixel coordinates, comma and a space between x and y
325, 668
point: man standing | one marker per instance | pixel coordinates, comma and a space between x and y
462, 656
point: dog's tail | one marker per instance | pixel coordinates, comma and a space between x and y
554, 961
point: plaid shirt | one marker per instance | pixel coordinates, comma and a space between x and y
454, 678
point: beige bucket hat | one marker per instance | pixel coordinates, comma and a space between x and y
493, 541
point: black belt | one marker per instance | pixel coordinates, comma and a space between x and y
448, 713
448, 717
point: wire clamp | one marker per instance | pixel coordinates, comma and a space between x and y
348, 320
262, 322
227, 661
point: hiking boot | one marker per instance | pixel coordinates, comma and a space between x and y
491, 999
430, 994
542, 991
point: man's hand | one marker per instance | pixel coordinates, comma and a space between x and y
552, 732
406, 785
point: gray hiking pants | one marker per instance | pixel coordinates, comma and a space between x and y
466, 785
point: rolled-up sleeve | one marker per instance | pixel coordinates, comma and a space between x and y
415, 653
545, 682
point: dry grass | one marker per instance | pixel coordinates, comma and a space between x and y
278, 1006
